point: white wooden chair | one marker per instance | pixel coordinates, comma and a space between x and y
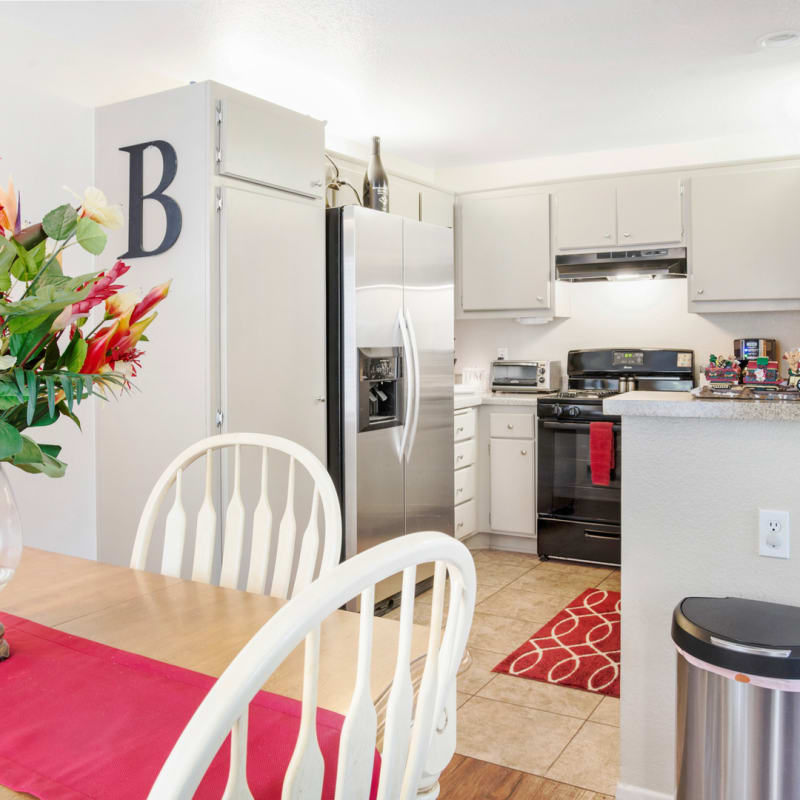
419, 739
286, 577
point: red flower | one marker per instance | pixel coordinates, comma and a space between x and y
102, 289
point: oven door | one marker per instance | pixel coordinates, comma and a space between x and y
576, 518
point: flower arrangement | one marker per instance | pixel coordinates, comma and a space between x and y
49, 358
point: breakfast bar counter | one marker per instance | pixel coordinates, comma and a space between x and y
694, 475
683, 404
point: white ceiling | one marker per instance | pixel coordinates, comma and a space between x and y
445, 83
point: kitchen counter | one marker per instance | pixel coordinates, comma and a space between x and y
683, 404
694, 475
494, 399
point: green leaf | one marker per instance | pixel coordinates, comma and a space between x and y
8, 252
90, 236
28, 346
29, 453
50, 385
49, 466
25, 324
19, 374
31, 375
10, 440
66, 385
75, 354
51, 450
29, 261
60, 223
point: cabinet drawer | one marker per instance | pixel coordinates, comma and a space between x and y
511, 426
464, 454
464, 484
466, 519
464, 425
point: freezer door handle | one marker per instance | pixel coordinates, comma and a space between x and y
408, 375
416, 387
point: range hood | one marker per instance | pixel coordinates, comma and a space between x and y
667, 262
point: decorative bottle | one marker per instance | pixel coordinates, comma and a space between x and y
376, 182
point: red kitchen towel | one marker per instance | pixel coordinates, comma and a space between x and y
82, 720
601, 452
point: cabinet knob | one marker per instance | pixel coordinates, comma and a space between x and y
626, 235
320, 399
459, 458
460, 490
459, 430
316, 183
700, 291
607, 235
460, 525
539, 298
523, 452
510, 426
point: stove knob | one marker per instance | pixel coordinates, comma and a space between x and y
558, 411
573, 411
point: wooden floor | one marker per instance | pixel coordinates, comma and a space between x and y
469, 779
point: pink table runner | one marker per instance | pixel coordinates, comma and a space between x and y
82, 720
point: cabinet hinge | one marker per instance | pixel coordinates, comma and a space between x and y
219, 200
219, 418
218, 156
219, 113
490, 519
682, 188
490, 446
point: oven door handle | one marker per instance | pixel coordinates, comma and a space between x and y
588, 533
573, 426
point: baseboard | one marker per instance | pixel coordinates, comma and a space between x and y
509, 541
627, 792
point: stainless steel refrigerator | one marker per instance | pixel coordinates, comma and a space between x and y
390, 377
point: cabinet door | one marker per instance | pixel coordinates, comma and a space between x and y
745, 237
649, 210
586, 217
403, 198
272, 276
264, 143
505, 253
512, 485
436, 207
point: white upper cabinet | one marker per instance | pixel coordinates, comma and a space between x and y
269, 145
649, 210
745, 237
403, 197
586, 216
436, 207
505, 252
631, 211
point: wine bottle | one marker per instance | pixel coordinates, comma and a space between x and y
376, 182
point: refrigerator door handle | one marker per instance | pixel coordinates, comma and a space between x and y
408, 375
416, 387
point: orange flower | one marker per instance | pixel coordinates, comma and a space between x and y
9, 209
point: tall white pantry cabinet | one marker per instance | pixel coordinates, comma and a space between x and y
239, 344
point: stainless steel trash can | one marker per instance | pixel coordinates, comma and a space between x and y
738, 704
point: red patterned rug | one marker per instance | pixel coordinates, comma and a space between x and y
579, 647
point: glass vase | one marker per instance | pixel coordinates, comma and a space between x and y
10, 532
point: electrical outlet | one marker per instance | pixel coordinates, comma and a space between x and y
773, 533
502, 353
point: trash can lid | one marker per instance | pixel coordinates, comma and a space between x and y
747, 636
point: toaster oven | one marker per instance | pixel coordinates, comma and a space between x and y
526, 376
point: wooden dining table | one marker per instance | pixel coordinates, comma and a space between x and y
188, 624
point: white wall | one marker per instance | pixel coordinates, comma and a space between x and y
46, 145
622, 314
764, 144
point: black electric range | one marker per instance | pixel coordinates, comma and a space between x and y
578, 519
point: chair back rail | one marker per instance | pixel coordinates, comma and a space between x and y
296, 559
418, 741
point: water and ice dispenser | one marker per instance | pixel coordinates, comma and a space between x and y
380, 388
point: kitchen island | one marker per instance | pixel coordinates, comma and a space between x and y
695, 474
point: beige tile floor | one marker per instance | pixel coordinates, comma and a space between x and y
565, 734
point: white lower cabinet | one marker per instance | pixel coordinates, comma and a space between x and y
465, 475
511, 464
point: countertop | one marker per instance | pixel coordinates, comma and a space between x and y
683, 404
491, 399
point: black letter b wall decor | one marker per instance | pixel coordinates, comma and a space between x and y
137, 197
